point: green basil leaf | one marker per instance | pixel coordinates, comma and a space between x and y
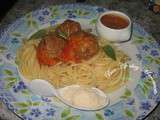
39, 34
109, 52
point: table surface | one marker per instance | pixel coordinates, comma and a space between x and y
137, 10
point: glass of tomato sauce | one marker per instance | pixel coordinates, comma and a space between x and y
114, 26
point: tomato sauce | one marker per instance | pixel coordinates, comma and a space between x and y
114, 21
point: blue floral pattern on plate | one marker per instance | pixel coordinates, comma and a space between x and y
20, 100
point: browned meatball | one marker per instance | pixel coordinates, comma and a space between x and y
49, 48
84, 45
54, 44
68, 27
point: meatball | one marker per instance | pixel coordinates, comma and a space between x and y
85, 45
68, 27
49, 48
81, 46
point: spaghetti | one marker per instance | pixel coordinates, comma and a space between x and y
93, 72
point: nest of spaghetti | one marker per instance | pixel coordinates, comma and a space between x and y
66, 54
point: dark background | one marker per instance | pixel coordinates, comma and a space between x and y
5, 5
